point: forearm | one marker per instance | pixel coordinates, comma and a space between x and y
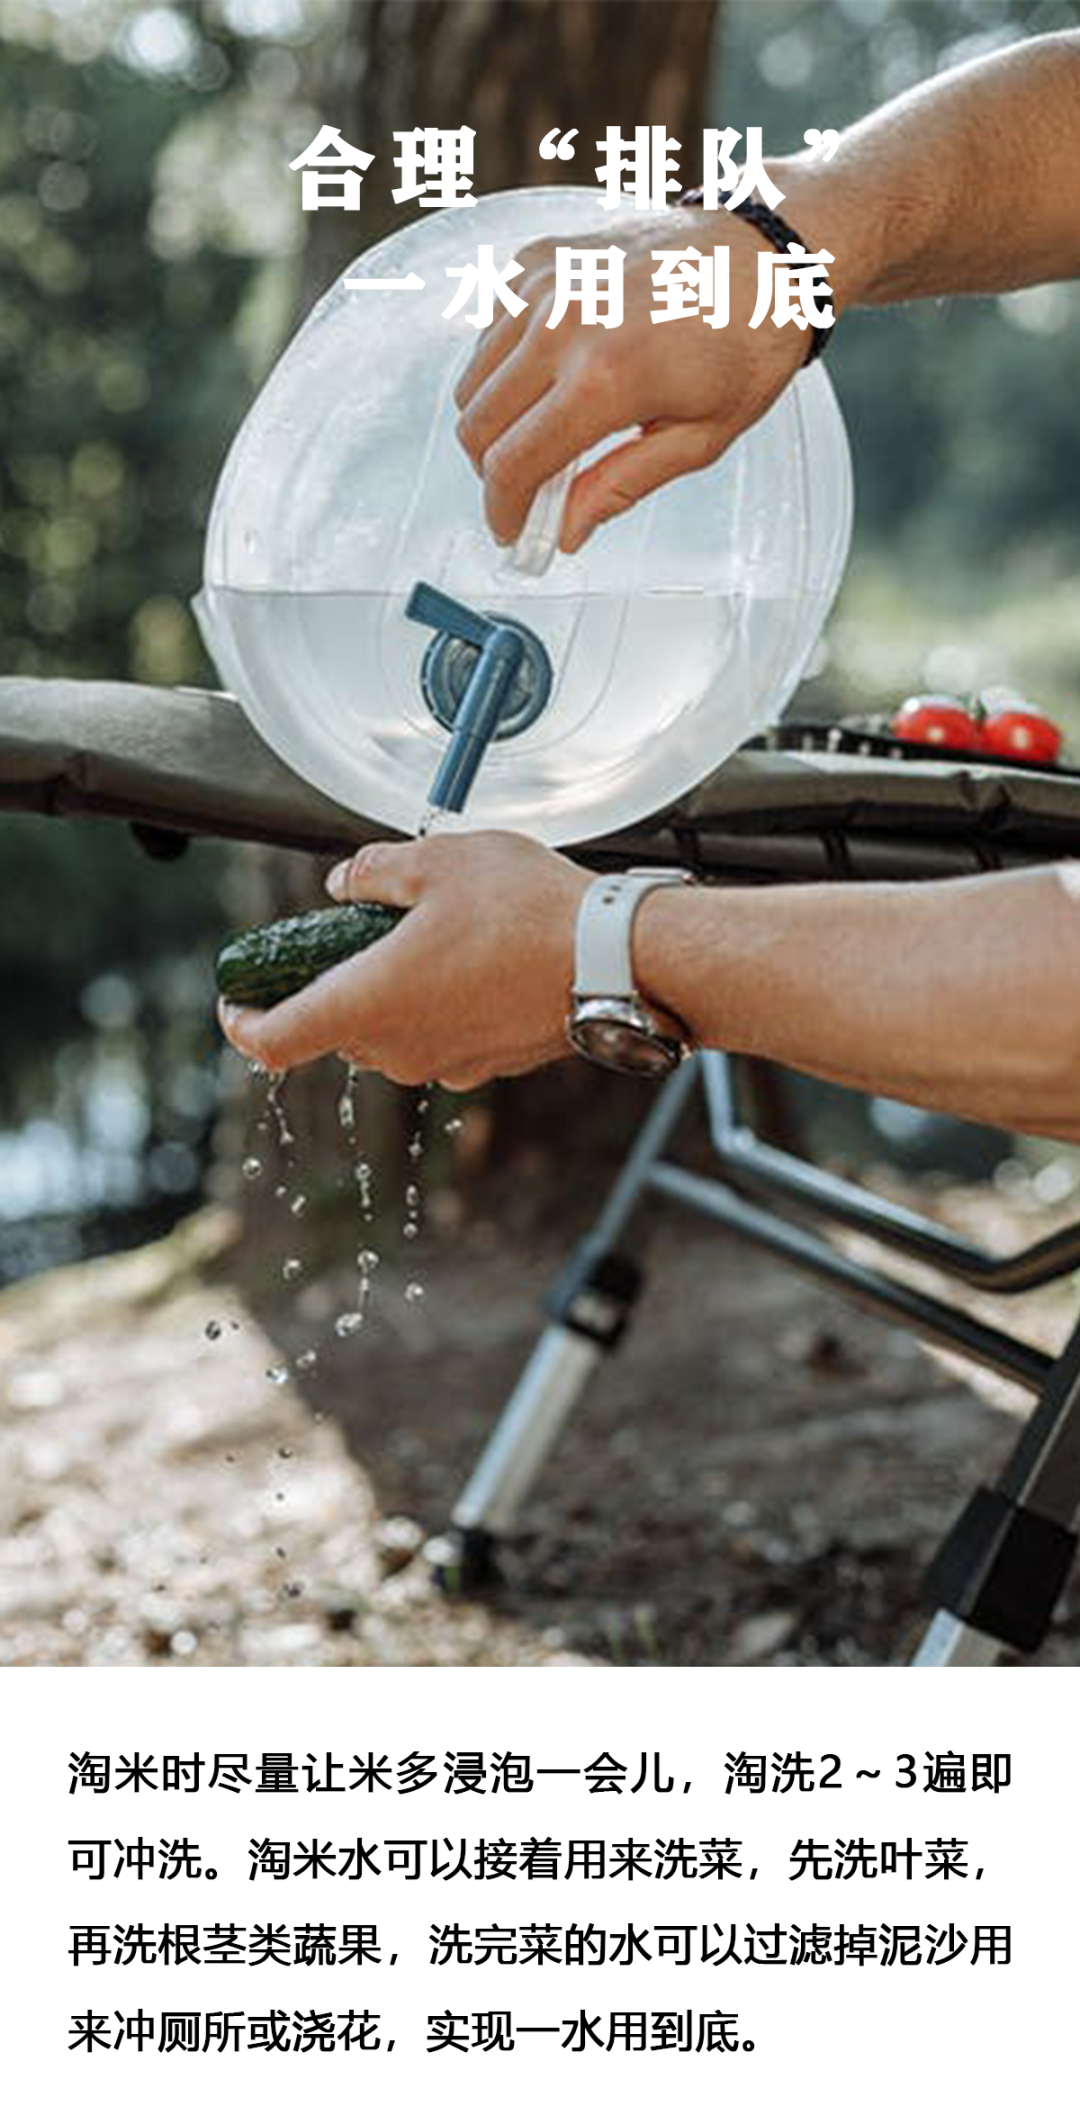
962, 996
966, 184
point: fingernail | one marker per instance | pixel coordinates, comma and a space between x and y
337, 880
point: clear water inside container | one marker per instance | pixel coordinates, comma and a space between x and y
672, 665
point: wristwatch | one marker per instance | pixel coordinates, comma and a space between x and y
609, 1022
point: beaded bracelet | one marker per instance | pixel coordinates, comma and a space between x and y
781, 235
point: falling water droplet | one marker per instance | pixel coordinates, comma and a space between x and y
251, 1168
284, 1452
298, 1205
276, 1109
348, 1324
213, 1331
277, 1374
291, 1269
347, 1101
413, 1293
454, 1126
434, 816
367, 1261
306, 1362
416, 1147
280, 1190
280, 1551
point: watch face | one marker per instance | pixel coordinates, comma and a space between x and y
618, 1043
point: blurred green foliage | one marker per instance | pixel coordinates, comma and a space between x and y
120, 377
135, 321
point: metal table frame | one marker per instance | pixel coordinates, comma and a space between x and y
998, 1575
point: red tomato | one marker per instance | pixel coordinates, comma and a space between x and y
1021, 734
927, 720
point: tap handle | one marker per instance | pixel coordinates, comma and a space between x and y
433, 608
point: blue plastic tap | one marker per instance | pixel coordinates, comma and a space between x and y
504, 691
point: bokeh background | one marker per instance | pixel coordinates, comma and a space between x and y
153, 260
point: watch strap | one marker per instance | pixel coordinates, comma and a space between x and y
603, 959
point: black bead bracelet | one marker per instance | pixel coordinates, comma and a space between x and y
781, 235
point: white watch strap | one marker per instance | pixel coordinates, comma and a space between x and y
603, 963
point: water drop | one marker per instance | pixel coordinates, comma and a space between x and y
230, 1462
212, 1331
291, 1269
251, 1168
416, 1147
432, 817
412, 1196
277, 1112
280, 1190
279, 1551
256, 1069
367, 1261
347, 1102
284, 1452
362, 1176
409, 1229
413, 1293
454, 1126
277, 1374
348, 1324
298, 1205
307, 1361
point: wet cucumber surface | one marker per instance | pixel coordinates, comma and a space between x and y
260, 967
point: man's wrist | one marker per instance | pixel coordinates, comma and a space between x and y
821, 206
660, 936
824, 207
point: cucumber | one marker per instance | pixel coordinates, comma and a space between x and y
263, 966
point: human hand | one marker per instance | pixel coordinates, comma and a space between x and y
474, 984
532, 399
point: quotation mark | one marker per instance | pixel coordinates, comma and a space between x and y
822, 145
553, 145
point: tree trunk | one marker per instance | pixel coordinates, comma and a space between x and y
513, 70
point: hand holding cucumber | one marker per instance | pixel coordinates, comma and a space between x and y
457, 966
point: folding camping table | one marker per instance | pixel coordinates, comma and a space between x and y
811, 804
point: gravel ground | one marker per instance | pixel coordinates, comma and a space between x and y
757, 1478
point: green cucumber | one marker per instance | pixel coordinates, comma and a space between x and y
263, 966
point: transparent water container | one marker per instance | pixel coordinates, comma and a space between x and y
678, 632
